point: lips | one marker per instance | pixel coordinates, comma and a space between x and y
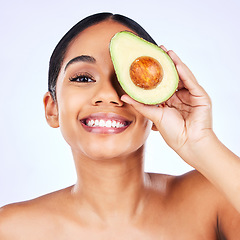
105, 123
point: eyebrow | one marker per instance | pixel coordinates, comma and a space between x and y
82, 58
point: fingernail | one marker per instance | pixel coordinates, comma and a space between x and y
124, 98
163, 47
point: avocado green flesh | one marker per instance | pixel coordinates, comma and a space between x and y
125, 47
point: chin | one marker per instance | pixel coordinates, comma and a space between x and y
106, 152
104, 147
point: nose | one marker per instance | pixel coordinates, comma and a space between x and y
108, 92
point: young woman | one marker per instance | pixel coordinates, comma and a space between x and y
113, 197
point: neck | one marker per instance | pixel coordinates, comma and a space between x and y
112, 187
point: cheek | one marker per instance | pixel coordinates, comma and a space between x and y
70, 104
71, 101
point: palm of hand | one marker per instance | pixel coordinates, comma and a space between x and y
185, 118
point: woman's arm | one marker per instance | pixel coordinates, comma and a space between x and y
185, 122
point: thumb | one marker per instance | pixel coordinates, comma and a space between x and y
152, 112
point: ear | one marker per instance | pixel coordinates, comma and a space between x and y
51, 110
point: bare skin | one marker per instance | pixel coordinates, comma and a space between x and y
113, 197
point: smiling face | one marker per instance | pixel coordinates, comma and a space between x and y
92, 118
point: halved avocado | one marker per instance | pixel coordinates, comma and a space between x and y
144, 70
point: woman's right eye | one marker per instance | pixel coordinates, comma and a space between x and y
83, 78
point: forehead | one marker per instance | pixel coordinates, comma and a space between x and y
94, 40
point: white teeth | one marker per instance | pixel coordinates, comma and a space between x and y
92, 122
114, 123
104, 123
96, 123
108, 123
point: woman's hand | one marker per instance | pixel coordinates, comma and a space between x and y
185, 122
185, 119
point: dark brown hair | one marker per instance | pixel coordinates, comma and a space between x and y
60, 50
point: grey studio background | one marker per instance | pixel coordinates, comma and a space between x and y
34, 158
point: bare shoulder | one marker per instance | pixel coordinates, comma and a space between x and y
13, 219
192, 181
194, 192
22, 220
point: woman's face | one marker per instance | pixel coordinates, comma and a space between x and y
92, 118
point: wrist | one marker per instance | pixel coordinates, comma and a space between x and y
218, 164
195, 152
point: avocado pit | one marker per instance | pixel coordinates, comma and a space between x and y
146, 72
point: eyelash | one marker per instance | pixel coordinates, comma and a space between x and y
82, 78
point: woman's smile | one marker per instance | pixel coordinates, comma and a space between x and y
92, 117
105, 123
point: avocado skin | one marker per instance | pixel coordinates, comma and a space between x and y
125, 47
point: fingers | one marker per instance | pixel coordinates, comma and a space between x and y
163, 48
186, 73
187, 79
177, 59
180, 85
149, 111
